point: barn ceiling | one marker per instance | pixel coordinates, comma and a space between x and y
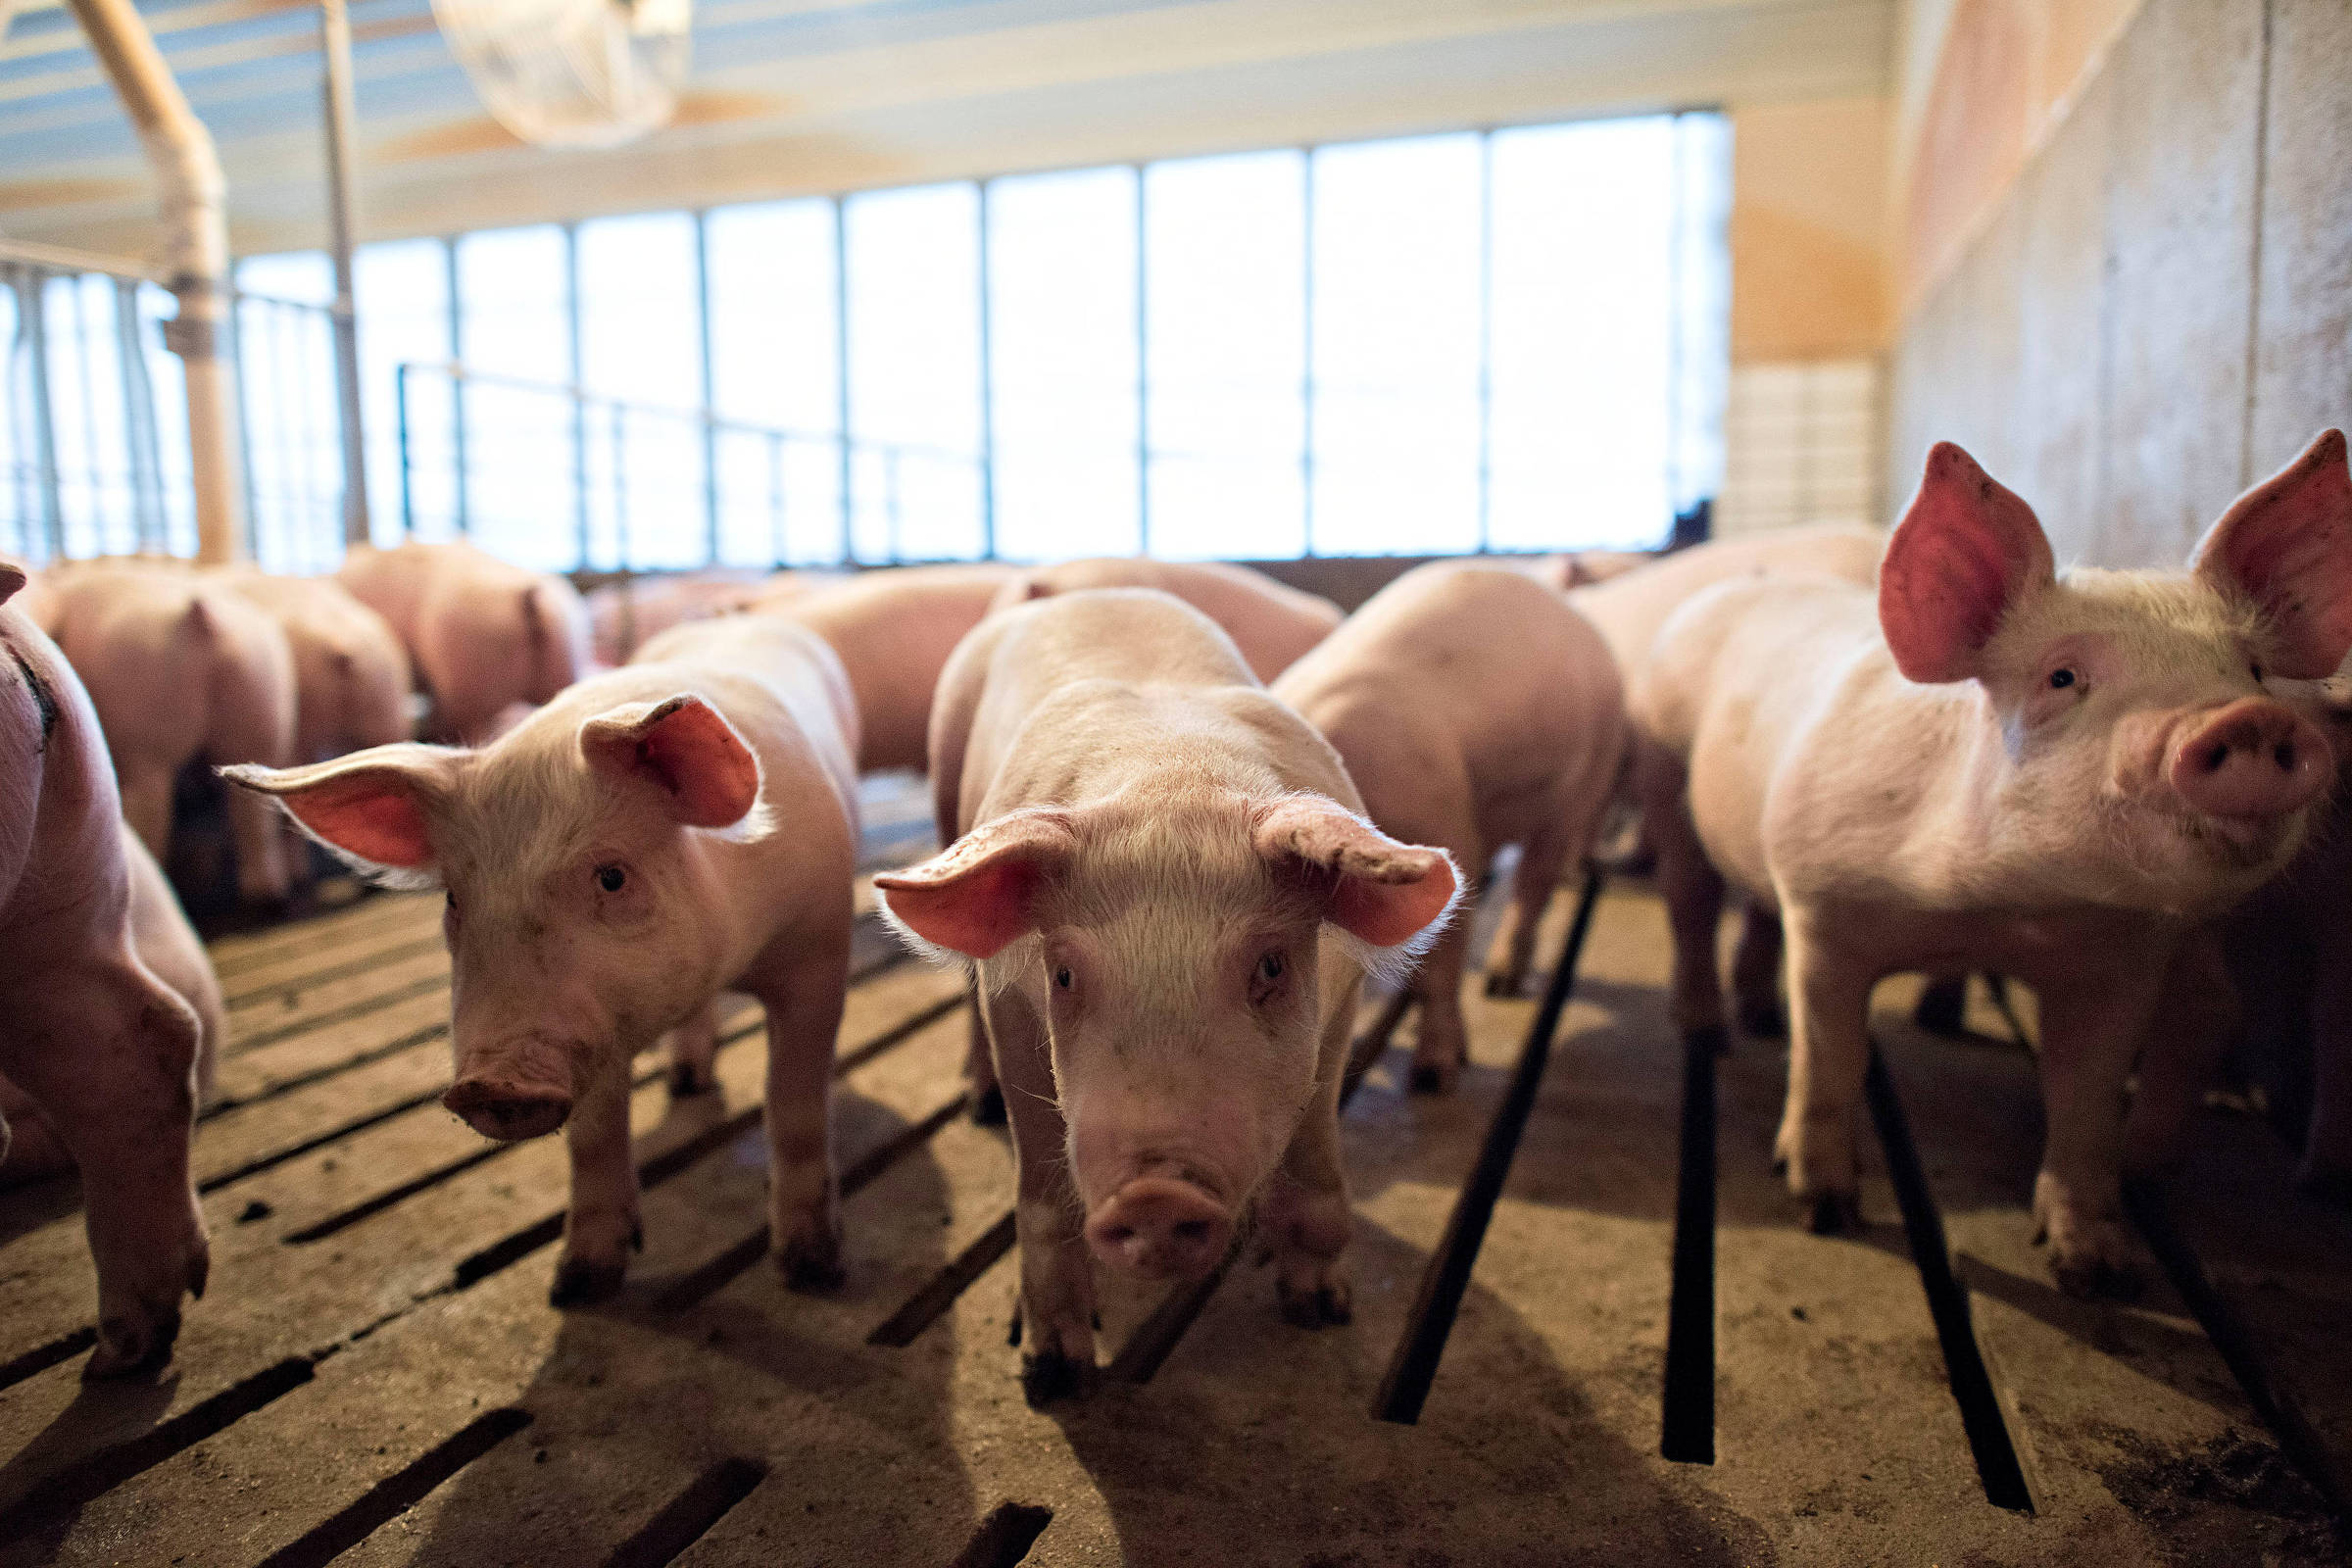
805, 96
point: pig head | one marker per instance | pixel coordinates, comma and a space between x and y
1180, 949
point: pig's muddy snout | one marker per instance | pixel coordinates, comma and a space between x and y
2252, 760
521, 1092
1160, 1226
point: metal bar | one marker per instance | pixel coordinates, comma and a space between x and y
701, 308
1675, 261
840, 366
988, 395
456, 390
238, 306
342, 196
33, 322
890, 493
1306, 363
620, 487
579, 406
775, 498
86, 384
1142, 371
1486, 341
408, 498
138, 420
67, 258
1687, 1408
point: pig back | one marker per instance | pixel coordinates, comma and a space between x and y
1272, 623
893, 630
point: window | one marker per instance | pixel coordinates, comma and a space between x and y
641, 342
400, 296
777, 364
519, 495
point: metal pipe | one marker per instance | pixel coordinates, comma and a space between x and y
701, 318
32, 321
195, 223
988, 396
342, 196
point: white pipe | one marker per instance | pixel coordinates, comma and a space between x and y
193, 198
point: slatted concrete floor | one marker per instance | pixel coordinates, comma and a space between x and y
376, 1377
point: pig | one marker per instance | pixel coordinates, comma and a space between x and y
623, 615
179, 666
1272, 624
165, 942
1473, 709
1630, 605
1171, 894
481, 633
1991, 765
894, 629
351, 673
682, 825
90, 1033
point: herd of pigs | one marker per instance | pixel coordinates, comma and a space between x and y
1185, 813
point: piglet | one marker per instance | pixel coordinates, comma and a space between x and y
1273, 626
1170, 892
678, 826
89, 1032
1474, 709
178, 667
483, 634
1990, 764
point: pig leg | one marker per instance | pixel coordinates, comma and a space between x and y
1444, 1038
603, 1226
693, 1052
1692, 890
121, 1094
2326, 1168
1756, 974
1829, 1056
1057, 1280
147, 803
1307, 1216
804, 1199
2188, 1036
257, 827
1540, 861
987, 1095
2091, 1026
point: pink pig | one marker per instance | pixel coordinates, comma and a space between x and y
179, 666
89, 1033
678, 826
1170, 895
482, 633
1474, 709
351, 673
1272, 624
1992, 765
894, 629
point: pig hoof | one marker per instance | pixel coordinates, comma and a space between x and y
687, 1081
1324, 1306
583, 1284
124, 1349
1762, 1020
811, 1266
1049, 1377
988, 1107
1835, 1214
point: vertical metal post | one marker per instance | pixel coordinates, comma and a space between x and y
408, 499
232, 320
988, 395
890, 492
701, 316
138, 420
88, 385
457, 389
620, 487
1142, 371
1306, 366
32, 300
576, 374
841, 368
1486, 341
775, 496
1675, 261
341, 208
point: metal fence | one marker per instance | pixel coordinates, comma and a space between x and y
93, 417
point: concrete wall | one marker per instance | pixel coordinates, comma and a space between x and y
2159, 309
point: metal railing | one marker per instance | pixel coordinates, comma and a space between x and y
652, 485
93, 425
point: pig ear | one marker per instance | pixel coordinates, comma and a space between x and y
1964, 553
685, 747
1385, 894
372, 806
974, 897
11, 578
2287, 545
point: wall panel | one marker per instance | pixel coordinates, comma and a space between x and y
2303, 328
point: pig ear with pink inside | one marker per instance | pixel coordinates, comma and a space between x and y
685, 749
1966, 553
1392, 898
974, 897
371, 807
2285, 546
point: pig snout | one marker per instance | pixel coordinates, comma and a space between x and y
523, 1092
1160, 1226
2251, 759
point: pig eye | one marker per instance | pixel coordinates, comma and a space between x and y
1062, 979
1270, 967
612, 878
2061, 678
